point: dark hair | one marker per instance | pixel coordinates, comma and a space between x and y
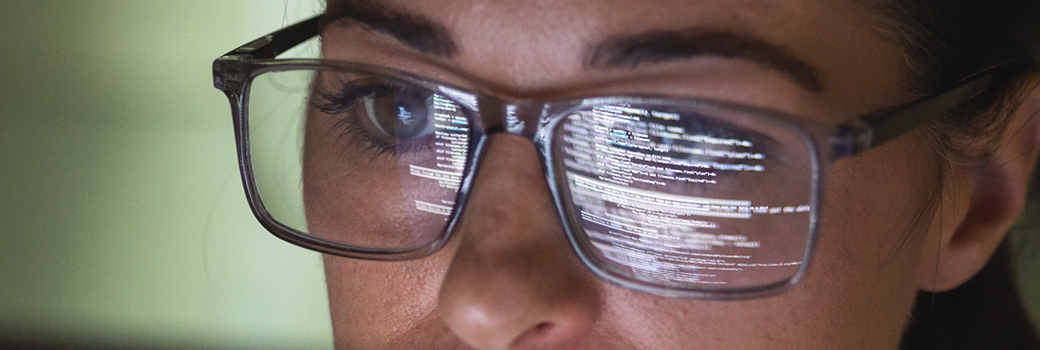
944, 41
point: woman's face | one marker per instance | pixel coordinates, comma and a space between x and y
509, 279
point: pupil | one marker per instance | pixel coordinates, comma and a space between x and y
403, 113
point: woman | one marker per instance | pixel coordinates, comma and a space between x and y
724, 195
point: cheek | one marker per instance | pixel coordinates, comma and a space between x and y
878, 208
359, 209
369, 200
874, 235
375, 303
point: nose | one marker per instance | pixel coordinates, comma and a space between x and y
514, 281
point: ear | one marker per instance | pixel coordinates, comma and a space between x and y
983, 199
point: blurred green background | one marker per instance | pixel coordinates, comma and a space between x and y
122, 219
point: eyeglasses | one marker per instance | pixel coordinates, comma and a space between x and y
672, 196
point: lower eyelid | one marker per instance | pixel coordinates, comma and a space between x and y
359, 133
346, 125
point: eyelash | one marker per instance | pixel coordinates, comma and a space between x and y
344, 106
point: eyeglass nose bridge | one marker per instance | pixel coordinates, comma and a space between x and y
524, 118
520, 117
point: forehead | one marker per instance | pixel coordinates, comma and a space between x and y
528, 45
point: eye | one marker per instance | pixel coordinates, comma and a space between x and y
400, 111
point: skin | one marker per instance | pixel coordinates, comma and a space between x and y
508, 279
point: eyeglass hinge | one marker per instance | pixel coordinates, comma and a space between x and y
851, 139
231, 71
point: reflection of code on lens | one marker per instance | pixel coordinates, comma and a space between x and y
447, 156
681, 197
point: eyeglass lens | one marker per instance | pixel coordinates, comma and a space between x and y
682, 196
669, 193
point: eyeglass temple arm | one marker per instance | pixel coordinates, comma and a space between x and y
872, 132
272, 45
907, 118
231, 70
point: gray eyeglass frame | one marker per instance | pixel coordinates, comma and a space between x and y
234, 71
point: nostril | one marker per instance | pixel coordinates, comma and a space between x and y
542, 332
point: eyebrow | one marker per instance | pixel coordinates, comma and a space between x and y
665, 46
630, 51
415, 31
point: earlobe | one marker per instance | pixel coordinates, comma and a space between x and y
982, 201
